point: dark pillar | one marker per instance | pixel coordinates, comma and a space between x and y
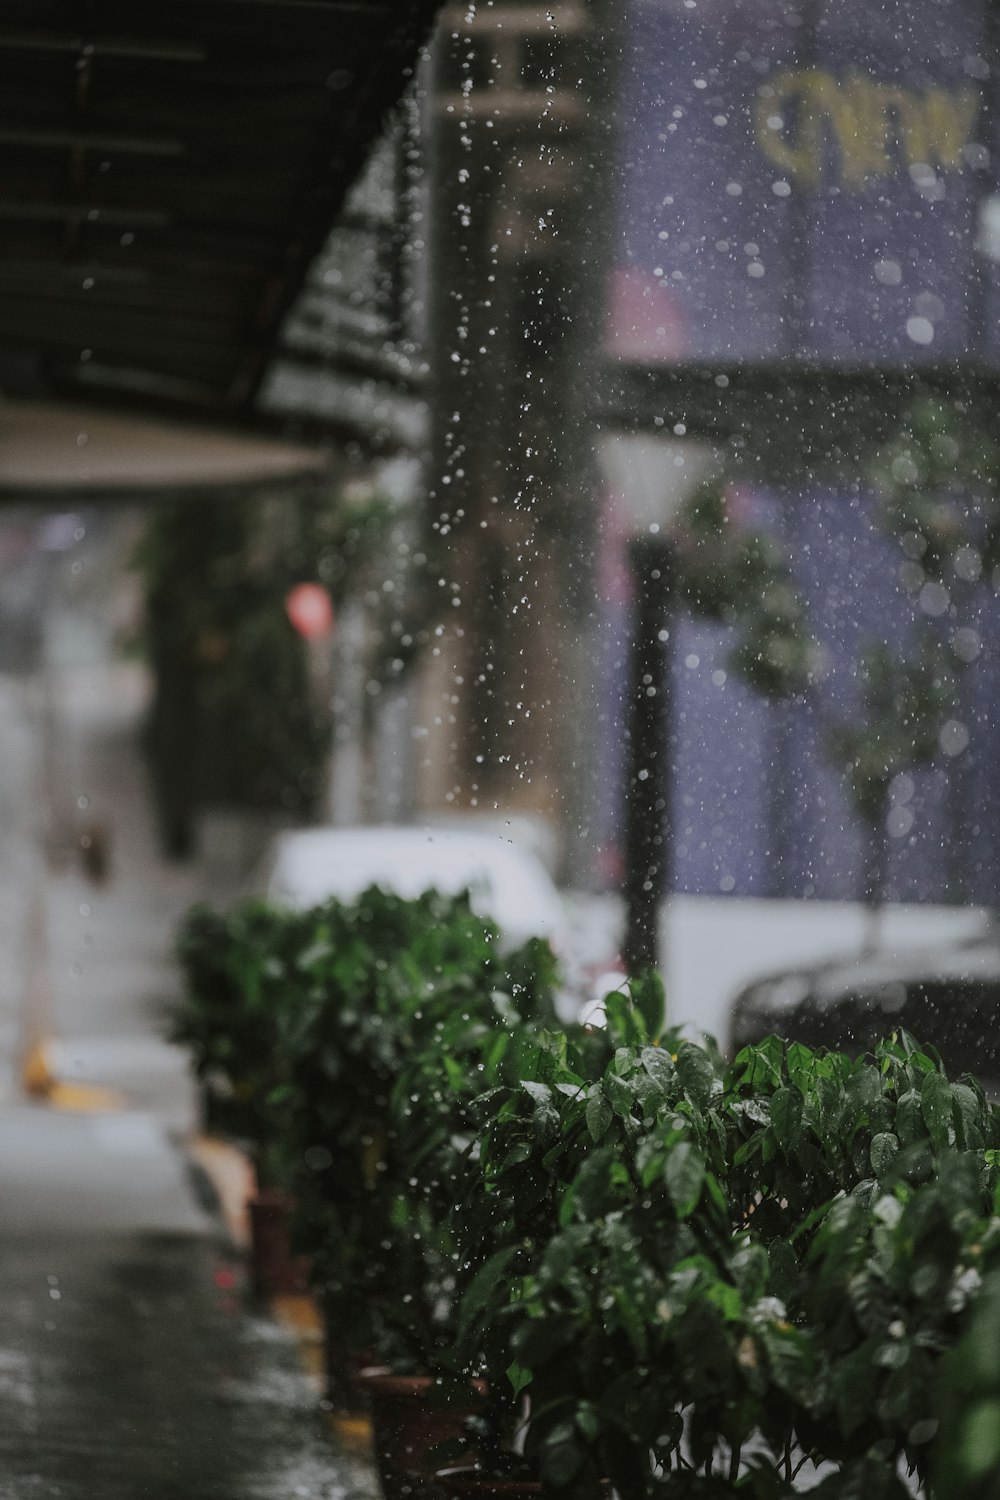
647, 818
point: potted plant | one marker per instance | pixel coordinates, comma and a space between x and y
240, 970
410, 1006
688, 1268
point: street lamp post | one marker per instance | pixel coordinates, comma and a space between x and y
648, 842
651, 477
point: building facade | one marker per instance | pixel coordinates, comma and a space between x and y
764, 228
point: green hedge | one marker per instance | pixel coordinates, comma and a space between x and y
706, 1279
344, 1045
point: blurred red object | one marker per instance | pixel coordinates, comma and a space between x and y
310, 609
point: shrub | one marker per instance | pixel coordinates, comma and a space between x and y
241, 969
731, 1277
743, 1280
410, 1008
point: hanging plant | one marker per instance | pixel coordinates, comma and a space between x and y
739, 576
904, 703
931, 478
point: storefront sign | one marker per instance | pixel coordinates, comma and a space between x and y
804, 181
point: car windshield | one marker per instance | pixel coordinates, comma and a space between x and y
505, 884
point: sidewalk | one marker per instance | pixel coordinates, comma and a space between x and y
130, 1365
129, 1368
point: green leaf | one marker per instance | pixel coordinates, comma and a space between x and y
685, 1176
726, 1298
788, 1353
623, 1022
649, 1095
518, 1153
830, 1106
599, 1114
884, 1150
490, 1279
717, 1195
697, 1073
751, 1268
799, 1061
593, 1188
909, 1121
650, 999
936, 1106
786, 1116
659, 1065
588, 1420
519, 1377
620, 1093
971, 1113
561, 1456
756, 1110
545, 1123
649, 1159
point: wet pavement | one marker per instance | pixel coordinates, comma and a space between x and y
131, 1361
130, 1368
132, 1365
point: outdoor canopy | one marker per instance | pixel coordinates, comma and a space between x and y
167, 175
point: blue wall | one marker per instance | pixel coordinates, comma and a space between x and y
757, 808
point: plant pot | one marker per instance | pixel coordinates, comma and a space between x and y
467, 1482
345, 1393
407, 1426
274, 1270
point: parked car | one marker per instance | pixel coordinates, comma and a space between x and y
948, 998
506, 883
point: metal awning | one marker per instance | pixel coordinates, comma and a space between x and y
57, 450
167, 173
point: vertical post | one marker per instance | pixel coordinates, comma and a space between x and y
347, 783
647, 854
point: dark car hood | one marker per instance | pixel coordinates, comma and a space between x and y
978, 958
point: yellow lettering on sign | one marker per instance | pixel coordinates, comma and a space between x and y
864, 148
798, 153
859, 128
950, 119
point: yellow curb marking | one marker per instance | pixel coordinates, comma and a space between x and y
85, 1099
354, 1434
302, 1317
37, 1077
232, 1177
40, 1082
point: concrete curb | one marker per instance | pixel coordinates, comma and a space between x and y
231, 1182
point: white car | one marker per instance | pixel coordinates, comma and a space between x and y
507, 884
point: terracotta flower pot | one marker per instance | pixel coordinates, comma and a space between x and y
343, 1366
470, 1483
466, 1482
408, 1424
274, 1270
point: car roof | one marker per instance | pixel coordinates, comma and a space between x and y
506, 883
977, 959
